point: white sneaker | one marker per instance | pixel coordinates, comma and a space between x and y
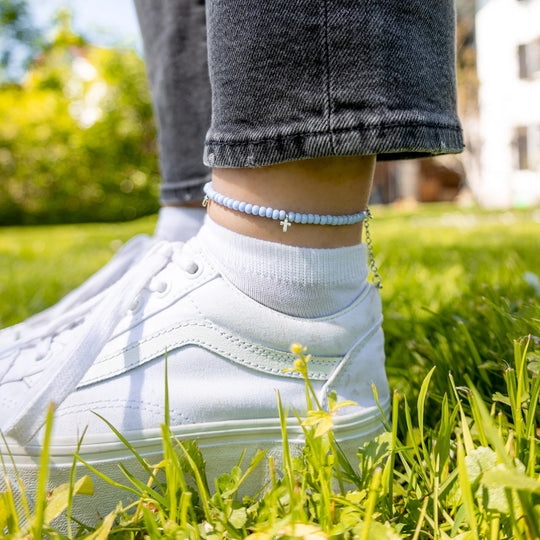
225, 352
128, 254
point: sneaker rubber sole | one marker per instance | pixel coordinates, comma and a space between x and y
221, 444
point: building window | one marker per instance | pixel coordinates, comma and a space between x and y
528, 148
529, 59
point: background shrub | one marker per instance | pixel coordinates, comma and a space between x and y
77, 136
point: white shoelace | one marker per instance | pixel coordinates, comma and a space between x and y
61, 377
43, 322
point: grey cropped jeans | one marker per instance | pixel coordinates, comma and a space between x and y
258, 82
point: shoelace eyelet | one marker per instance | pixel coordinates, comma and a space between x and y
192, 269
160, 288
136, 304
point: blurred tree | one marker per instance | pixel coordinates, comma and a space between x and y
77, 136
19, 38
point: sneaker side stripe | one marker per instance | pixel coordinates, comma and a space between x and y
211, 337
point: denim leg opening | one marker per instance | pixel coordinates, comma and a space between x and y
389, 141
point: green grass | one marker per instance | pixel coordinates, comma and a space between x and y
461, 457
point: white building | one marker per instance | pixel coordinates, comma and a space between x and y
508, 53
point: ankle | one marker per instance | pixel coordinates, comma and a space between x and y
326, 186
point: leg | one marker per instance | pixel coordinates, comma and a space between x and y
174, 36
329, 185
304, 94
312, 99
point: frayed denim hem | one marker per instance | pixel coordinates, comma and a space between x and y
389, 142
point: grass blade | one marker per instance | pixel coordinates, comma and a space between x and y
43, 475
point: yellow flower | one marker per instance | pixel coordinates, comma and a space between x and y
296, 348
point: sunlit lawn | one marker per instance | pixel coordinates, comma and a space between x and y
459, 287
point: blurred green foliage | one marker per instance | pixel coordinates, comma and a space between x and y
77, 136
19, 38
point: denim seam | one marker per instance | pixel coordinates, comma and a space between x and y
328, 78
341, 130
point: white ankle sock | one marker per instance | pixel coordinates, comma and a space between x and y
179, 223
303, 282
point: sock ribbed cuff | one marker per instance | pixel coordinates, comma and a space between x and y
305, 282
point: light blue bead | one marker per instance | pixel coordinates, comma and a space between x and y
323, 220
255, 209
341, 220
248, 208
316, 219
242, 207
291, 217
262, 211
310, 218
304, 218
230, 202
236, 205
275, 214
282, 214
297, 217
269, 212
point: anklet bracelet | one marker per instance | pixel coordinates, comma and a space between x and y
286, 218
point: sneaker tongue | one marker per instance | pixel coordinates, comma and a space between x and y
61, 376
